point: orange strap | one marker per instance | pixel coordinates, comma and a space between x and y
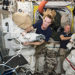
41, 6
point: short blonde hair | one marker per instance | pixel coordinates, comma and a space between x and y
67, 25
50, 14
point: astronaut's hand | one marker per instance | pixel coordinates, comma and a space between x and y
23, 33
25, 43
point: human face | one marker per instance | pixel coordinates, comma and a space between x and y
46, 22
67, 29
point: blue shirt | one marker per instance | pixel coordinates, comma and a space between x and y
47, 33
63, 43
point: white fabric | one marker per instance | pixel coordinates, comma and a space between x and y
72, 42
71, 57
66, 65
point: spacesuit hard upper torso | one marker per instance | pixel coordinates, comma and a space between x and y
18, 39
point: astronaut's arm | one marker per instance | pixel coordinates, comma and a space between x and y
64, 38
34, 43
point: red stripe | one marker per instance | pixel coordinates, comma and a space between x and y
70, 64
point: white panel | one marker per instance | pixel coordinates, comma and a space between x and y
26, 7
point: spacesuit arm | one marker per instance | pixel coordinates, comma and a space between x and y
64, 38
34, 43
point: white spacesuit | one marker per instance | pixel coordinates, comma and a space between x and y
13, 42
69, 62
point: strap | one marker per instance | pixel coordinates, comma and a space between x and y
70, 64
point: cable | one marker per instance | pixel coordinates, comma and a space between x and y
6, 66
11, 58
12, 69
